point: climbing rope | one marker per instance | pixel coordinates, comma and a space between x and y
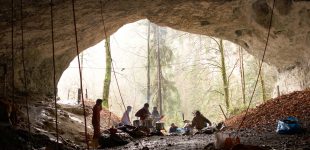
24, 69
260, 68
80, 72
54, 72
12, 52
120, 94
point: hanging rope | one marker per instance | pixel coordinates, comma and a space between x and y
54, 73
24, 69
80, 72
12, 52
120, 94
260, 68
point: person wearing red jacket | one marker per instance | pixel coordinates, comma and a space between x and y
96, 118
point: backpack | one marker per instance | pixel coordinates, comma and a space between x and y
289, 125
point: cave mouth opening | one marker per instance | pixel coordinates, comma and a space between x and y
242, 22
186, 59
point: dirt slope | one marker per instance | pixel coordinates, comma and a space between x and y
265, 116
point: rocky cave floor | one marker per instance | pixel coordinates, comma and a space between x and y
259, 131
266, 140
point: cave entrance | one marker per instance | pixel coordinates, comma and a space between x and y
191, 74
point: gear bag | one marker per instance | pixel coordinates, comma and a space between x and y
289, 125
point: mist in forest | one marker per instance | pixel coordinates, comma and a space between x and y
192, 76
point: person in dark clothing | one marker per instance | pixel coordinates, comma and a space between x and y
200, 121
96, 118
144, 112
173, 128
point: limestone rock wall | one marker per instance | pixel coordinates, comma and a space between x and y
293, 78
244, 22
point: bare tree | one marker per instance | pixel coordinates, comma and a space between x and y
159, 73
262, 81
148, 64
224, 75
242, 73
222, 68
107, 80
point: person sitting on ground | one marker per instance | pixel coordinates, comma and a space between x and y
187, 128
125, 119
155, 115
96, 118
144, 112
173, 128
200, 121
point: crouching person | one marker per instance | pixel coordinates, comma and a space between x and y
200, 121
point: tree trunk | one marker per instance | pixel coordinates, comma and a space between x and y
68, 97
242, 74
224, 75
82, 58
159, 74
79, 95
148, 94
261, 77
107, 80
82, 63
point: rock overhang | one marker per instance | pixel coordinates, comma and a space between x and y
242, 22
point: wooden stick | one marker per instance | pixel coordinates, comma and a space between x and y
109, 119
223, 112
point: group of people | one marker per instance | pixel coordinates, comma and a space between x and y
142, 113
199, 121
